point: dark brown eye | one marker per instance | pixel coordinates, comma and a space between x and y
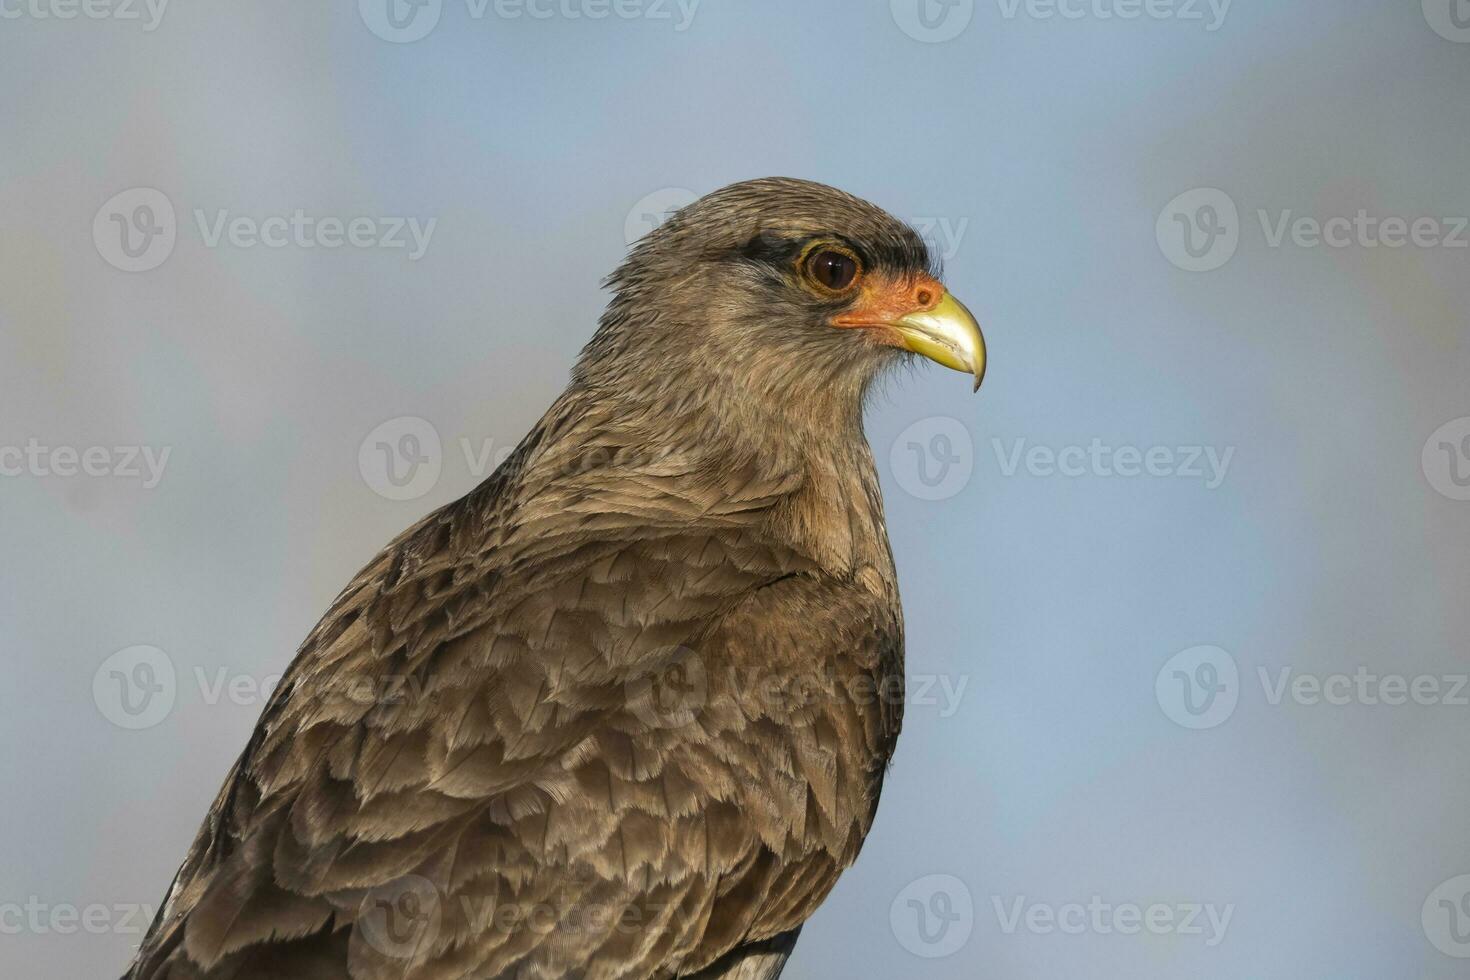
832, 269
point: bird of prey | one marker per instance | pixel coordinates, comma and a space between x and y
623, 711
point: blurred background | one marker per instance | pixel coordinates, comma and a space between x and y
1185, 584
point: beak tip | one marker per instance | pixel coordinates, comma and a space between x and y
948, 334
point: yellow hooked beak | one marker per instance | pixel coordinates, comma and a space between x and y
908, 315
947, 334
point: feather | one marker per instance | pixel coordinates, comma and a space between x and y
550, 730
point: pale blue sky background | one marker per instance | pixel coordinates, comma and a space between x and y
1052, 146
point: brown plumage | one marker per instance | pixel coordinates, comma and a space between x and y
623, 711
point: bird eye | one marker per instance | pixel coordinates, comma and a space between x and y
832, 269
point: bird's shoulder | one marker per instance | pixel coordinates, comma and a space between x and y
488, 696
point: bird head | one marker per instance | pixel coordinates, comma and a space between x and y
790, 290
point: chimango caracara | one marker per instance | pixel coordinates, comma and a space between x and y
622, 712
